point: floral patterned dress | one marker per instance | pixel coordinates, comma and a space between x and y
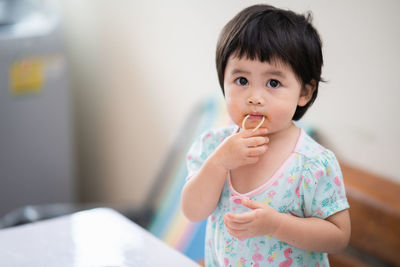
308, 184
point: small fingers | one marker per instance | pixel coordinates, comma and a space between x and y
245, 217
232, 224
250, 132
253, 155
257, 141
257, 151
237, 230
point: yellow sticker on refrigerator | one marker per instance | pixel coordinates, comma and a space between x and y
26, 76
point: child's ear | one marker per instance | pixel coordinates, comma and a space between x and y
306, 93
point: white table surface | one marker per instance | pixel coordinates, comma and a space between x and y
97, 237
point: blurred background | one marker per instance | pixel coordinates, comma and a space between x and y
136, 68
94, 92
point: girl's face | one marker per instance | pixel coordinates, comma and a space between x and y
259, 89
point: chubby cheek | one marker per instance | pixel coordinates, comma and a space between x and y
281, 114
234, 111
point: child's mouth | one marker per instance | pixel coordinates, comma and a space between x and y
253, 117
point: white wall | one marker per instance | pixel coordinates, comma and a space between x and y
139, 66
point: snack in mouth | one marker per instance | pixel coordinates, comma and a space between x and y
258, 126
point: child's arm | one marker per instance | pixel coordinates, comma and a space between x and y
313, 234
201, 193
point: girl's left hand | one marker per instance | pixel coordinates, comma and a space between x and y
261, 220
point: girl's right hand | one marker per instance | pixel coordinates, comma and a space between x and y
242, 148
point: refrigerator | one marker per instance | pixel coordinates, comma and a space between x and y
36, 127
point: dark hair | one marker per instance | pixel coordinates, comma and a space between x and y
267, 33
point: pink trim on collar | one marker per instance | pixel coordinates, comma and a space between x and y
300, 140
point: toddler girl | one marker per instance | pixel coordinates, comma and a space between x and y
272, 195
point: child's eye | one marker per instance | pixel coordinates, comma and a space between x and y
241, 81
273, 83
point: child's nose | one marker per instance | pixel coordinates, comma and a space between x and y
255, 100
